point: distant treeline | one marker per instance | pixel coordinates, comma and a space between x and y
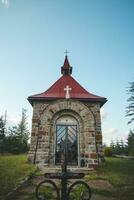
121, 147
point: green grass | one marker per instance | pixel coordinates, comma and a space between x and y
120, 173
13, 169
117, 171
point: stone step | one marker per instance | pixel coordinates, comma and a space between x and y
45, 169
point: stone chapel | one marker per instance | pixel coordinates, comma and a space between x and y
68, 114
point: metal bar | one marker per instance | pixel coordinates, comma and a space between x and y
60, 126
74, 126
64, 170
60, 132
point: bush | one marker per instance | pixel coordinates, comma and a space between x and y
108, 151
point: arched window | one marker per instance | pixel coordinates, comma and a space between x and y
67, 136
67, 120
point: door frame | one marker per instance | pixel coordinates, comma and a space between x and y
77, 137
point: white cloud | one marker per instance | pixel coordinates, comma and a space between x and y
110, 134
112, 131
114, 134
6, 3
12, 119
104, 114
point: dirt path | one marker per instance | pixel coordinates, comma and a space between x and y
27, 191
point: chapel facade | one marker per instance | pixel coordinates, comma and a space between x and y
66, 114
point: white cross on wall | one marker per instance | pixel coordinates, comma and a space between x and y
67, 89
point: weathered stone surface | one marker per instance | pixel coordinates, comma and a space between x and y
89, 134
98, 137
93, 155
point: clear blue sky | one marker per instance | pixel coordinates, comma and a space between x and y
99, 34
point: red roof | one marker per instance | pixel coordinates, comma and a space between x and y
57, 90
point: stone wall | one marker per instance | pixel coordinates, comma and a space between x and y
45, 115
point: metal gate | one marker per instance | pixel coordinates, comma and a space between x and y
66, 136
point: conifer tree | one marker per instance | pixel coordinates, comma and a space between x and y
130, 143
19, 135
122, 147
112, 145
117, 148
2, 132
22, 129
130, 108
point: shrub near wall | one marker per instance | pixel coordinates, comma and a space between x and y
108, 151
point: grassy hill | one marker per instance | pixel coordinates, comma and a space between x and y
113, 180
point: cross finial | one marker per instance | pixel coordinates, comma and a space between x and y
66, 52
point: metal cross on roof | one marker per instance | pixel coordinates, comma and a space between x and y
67, 89
66, 52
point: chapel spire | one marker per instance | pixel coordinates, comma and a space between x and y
66, 69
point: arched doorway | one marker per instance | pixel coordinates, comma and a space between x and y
66, 134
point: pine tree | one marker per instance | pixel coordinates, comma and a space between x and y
2, 127
130, 142
112, 145
19, 135
117, 148
22, 129
122, 147
130, 108
2, 132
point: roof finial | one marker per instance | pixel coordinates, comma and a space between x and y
66, 52
66, 69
